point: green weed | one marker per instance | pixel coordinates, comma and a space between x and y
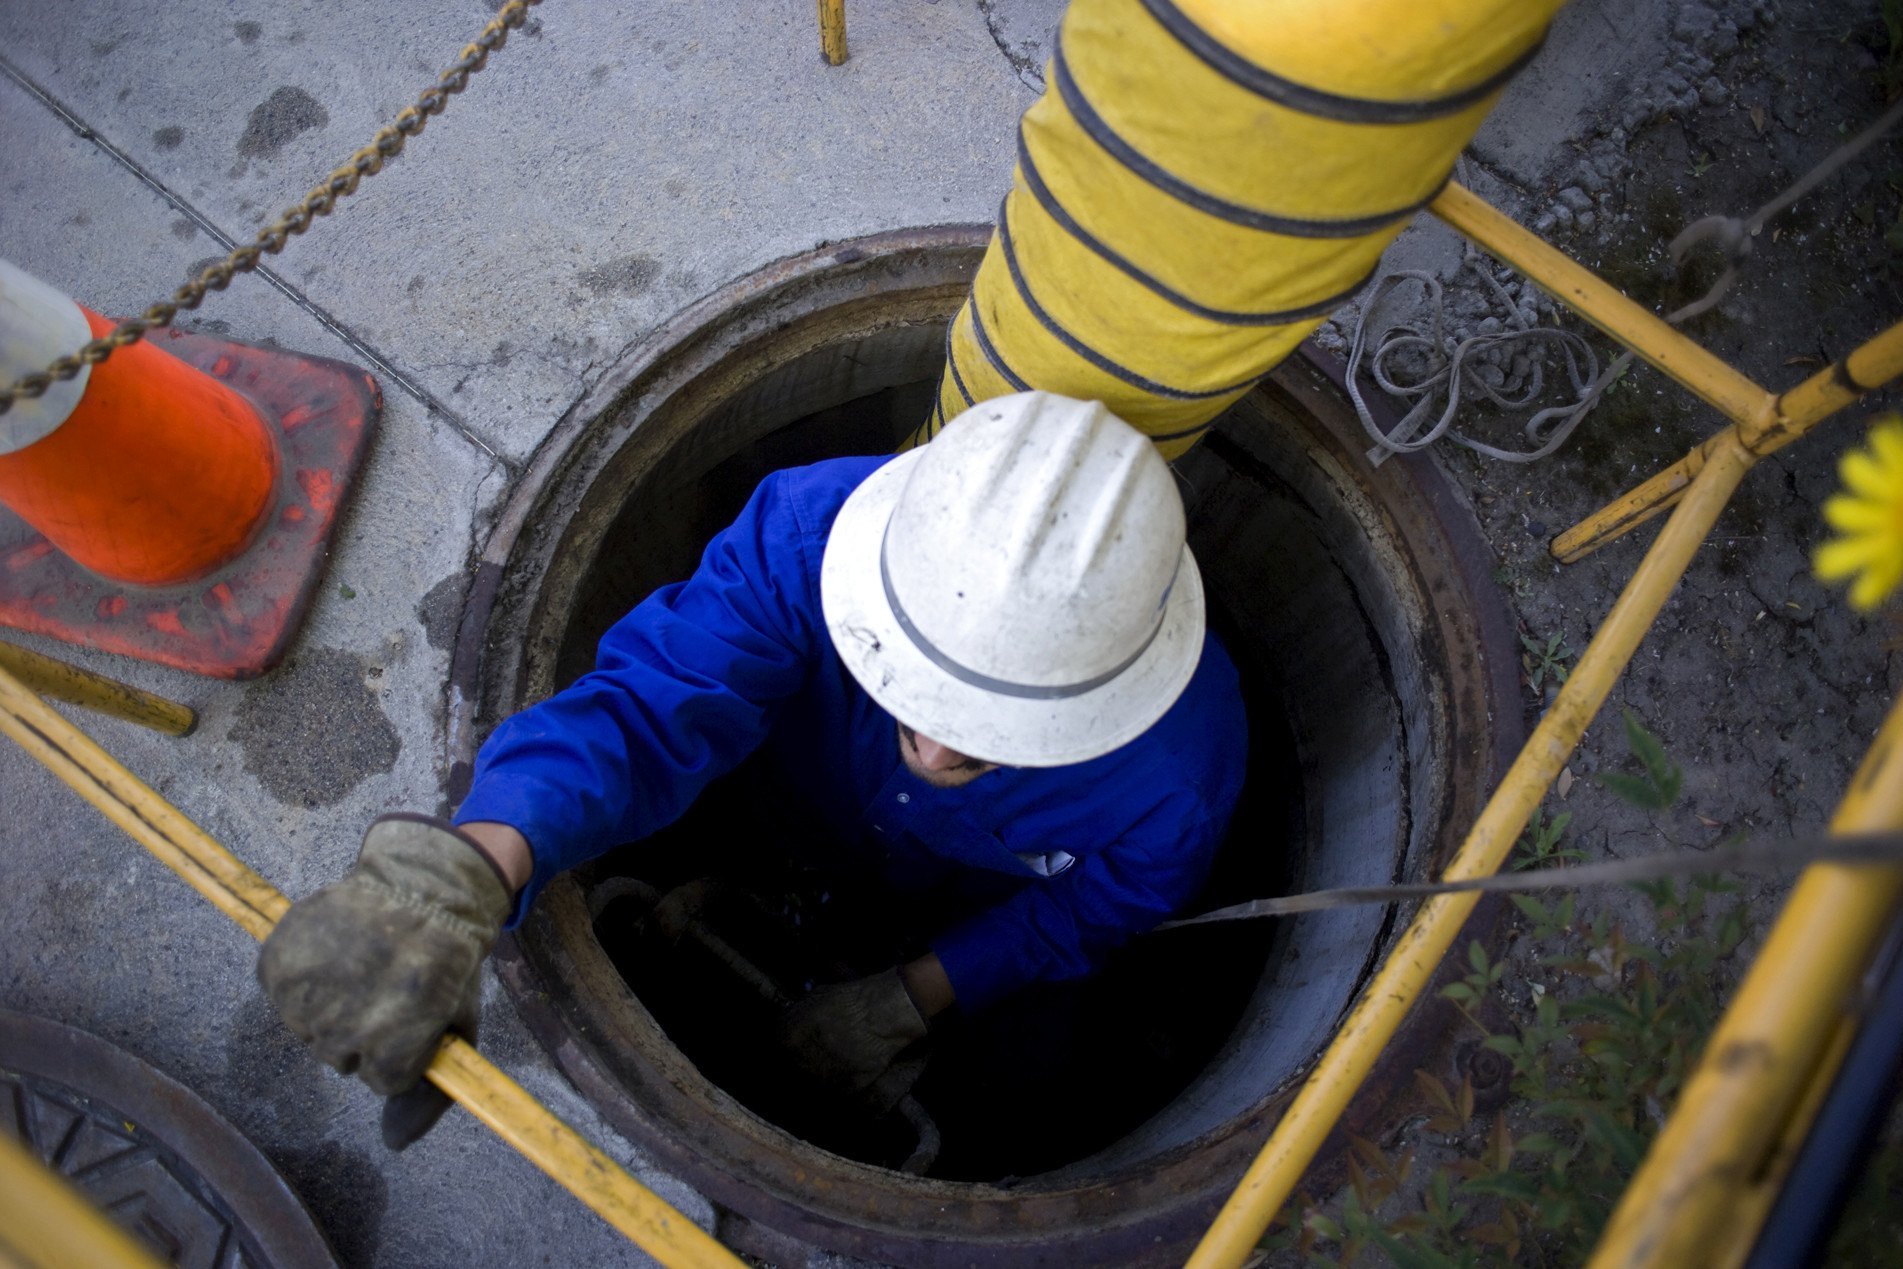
1540, 846
1658, 785
1544, 661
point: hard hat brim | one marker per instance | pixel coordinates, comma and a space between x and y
981, 723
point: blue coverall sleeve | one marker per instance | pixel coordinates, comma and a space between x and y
684, 688
1064, 927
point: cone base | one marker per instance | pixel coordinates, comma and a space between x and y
237, 622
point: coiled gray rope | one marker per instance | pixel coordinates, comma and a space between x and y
1449, 372
1548, 429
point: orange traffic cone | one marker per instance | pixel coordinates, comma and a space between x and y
159, 474
178, 498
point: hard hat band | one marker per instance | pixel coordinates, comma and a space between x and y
1002, 687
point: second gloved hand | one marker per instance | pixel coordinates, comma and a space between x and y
852, 1036
371, 970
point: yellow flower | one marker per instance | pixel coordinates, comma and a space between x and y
1869, 518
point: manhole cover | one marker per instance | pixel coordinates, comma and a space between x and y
149, 1153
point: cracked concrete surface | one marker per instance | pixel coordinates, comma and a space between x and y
611, 166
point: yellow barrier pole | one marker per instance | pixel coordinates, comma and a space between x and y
832, 31
1703, 373
1387, 999
255, 904
1633, 508
47, 1224
1873, 364
69, 683
154, 823
1797, 411
1751, 1202
1768, 1054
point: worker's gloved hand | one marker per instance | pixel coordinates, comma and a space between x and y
371, 970
855, 1036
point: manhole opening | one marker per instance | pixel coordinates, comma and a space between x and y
1371, 700
1043, 1081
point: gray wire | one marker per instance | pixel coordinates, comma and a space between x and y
1745, 856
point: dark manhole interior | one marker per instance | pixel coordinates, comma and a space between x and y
1044, 1080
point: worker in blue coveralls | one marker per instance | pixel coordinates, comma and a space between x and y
987, 653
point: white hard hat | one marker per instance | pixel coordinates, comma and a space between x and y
1019, 590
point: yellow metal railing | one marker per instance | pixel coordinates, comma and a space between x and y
69, 683
1704, 375
832, 31
1788, 417
1815, 955
45, 1223
252, 902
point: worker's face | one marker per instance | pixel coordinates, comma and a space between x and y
936, 764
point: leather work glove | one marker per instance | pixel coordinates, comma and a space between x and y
371, 970
854, 1037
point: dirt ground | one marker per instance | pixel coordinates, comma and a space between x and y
1759, 681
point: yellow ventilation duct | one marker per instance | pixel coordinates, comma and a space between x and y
1203, 181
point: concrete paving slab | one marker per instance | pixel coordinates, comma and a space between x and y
611, 165
1596, 51
285, 770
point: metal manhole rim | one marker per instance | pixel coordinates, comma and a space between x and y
840, 1194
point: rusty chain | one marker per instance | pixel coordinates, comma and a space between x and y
386, 145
